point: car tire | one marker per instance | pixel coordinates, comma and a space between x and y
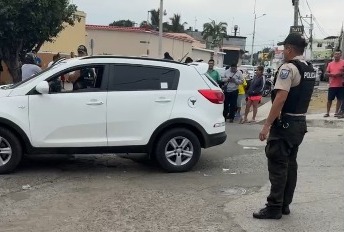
178, 150
10, 151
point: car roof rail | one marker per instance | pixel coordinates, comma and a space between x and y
131, 57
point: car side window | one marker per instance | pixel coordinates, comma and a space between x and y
143, 78
81, 79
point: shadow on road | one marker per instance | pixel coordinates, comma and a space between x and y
85, 163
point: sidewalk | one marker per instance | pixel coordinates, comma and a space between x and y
318, 204
313, 120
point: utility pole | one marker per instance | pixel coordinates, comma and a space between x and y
160, 27
296, 12
254, 31
311, 28
311, 36
253, 36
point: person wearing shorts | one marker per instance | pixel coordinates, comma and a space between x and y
335, 72
255, 94
335, 93
241, 96
341, 114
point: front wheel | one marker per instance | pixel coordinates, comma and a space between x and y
10, 151
178, 150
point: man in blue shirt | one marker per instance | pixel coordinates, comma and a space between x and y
38, 60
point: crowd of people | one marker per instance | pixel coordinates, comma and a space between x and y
33, 65
237, 90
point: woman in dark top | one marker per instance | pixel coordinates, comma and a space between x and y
254, 93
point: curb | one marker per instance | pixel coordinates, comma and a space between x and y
327, 123
313, 120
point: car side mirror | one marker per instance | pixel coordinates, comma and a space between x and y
43, 87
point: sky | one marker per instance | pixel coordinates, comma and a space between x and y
270, 29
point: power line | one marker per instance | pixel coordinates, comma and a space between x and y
309, 7
316, 21
302, 23
320, 27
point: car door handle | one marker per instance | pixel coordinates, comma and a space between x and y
94, 103
163, 100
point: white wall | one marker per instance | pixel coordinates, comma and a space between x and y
205, 55
135, 44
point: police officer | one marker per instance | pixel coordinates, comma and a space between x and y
294, 84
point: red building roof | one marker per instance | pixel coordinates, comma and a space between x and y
137, 30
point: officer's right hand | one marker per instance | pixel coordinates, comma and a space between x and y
263, 135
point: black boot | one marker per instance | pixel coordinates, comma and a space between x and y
285, 210
268, 213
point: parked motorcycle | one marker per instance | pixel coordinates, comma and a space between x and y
268, 87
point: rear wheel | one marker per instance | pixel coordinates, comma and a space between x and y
10, 151
178, 150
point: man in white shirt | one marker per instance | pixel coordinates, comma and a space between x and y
29, 68
233, 78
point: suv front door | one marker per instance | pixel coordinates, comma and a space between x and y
140, 99
73, 114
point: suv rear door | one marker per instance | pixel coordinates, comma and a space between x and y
140, 98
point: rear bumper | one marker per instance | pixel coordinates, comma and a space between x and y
215, 139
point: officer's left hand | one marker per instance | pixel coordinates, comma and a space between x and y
263, 135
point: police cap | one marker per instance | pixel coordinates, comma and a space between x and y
296, 39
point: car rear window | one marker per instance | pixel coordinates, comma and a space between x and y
129, 77
211, 79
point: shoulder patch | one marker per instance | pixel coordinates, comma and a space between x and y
284, 73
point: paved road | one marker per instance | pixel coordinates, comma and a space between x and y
110, 193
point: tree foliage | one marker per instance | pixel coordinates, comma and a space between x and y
155, 16
266, 50
123, 23
176, 25
26, 24
214, 33
270, 52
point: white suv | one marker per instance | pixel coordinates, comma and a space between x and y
106, 104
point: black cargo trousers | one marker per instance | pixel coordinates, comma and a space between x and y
283, 143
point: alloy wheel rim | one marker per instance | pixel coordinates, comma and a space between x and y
179, 151
5, 151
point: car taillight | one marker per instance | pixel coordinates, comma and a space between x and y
214, 96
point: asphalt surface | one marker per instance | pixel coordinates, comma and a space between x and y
112, 193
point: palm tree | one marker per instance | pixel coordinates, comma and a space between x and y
214, 33
176, 26
155, 15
